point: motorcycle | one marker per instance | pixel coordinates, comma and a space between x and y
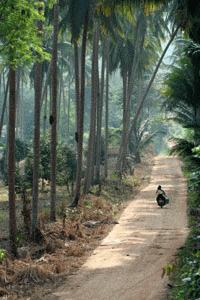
162, 200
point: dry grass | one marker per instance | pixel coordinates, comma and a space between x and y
32, 274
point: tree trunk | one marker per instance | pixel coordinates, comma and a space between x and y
53, 118
11, 161
77, 83
18, 100
4, 107
99, 120
59, 106
36, 147
45, 87
22, 111
68, 111
80, 115
125, 122
106, 110
36, 143
93, 112
45, 113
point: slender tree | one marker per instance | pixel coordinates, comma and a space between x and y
80, 114
107, 110
93, 111
99, 118
11, 160
4, 106
53, 117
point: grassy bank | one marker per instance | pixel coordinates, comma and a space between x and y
186, 277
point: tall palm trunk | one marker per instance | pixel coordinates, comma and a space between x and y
54, 114
68, 111
11, 160
22, 110
36, 143
77, 82
36, 147
61, 89
142, 100
80, 115
45, 86
106, 111
45, 113
18, 99
93, 112
99, 120
4, 107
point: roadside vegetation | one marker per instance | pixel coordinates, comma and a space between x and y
185, 275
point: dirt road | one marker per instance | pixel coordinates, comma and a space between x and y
128, 263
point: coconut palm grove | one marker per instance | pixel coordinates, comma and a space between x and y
100, 105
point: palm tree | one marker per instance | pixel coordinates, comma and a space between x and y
53, 117
99, 117
4, 106
11, 160
107, 109
80, 114
93, 112
183, 95
36, 143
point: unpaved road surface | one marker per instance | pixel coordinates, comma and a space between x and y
128, 263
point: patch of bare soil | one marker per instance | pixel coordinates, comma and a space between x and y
129, 262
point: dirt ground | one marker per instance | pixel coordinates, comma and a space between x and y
128, 263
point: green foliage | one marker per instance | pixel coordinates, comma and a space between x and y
21, 152
182, 91
20, 41
45, 156
188, 283
20, 238
3, 255
168, 269
182, 147
66, 164
187, 276
187, 273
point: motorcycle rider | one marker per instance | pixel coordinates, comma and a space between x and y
161, 193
